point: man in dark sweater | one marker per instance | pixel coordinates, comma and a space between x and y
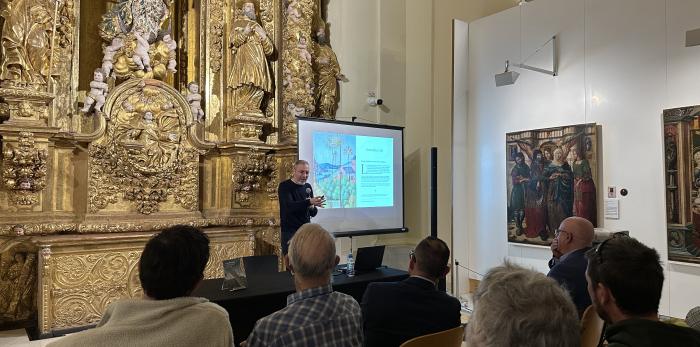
624, 281
297, 202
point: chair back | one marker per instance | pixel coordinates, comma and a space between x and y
447, 338
591, 328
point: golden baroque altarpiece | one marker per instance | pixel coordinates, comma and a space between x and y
119, 118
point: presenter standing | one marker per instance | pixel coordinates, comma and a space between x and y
297, 202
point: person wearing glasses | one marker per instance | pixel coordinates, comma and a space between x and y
571, 241
394, 312
625, 279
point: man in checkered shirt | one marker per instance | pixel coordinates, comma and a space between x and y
315, 315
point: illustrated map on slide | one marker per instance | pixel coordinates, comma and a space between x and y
353, 171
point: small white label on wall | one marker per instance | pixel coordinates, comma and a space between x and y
612, 209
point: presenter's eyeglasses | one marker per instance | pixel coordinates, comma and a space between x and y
412, 254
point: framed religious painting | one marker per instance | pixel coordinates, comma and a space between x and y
682, 171
551, 174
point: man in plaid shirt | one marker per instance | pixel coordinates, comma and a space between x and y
315, 315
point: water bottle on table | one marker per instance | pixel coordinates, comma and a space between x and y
351, 265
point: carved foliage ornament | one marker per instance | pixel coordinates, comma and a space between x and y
24, 170
83, 285
298, 75
217, 34
145, 156
253, 174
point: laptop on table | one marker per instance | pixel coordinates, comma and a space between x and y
369, 258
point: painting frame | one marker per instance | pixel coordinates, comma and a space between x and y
551, 174
681, 133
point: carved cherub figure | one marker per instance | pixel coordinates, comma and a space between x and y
109, 52
303, 49
195, 101
141, 58
172, 45
98, 90
293, 12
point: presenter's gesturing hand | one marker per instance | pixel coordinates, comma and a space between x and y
318, 201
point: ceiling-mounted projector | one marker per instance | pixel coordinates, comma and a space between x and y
507, 77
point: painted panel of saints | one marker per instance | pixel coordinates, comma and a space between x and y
551, 175
682, 172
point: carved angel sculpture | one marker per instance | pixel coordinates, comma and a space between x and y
195, 101
98, 90
140, 57
172, 45
108, 57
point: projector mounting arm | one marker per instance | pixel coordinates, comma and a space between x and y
555, 65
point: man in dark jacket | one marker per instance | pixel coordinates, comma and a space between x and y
394, 312
625, 280
568, 265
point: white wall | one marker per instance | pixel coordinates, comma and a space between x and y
620, 63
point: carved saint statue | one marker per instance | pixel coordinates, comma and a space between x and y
26, 41
250, 76
328, 71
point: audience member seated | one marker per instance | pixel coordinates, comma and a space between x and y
171, 266
315, 315
693, 318
624, 281
568, 264
394, 312
514, 306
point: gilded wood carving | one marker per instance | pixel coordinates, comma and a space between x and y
145, 156
131, 149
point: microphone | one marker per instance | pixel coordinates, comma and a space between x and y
464, 302
308, 196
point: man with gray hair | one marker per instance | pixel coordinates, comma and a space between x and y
315, 315
297, 202
514, 306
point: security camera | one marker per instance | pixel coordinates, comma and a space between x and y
372, 99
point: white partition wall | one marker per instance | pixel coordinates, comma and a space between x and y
620, 64
460, 52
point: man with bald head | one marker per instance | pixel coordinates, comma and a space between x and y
568, 265
315, 315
